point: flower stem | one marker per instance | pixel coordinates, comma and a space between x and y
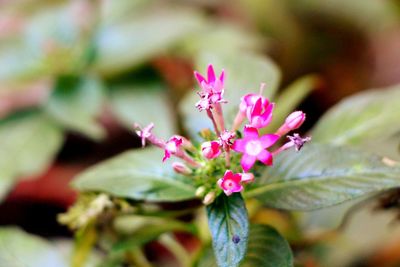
219, 116
211, 116
189, 160
227, 158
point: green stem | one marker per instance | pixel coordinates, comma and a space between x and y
176, 249
83, 246
137, 257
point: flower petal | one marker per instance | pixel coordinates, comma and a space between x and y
222, 77
257, 108
267, 115
237, 177
238, 187
268, 140
228, 174
239, 145
199, 77
210, 74
265, 157
250, 132
247, 162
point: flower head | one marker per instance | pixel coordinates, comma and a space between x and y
254, 147
144, 133
222, 144
298, 141
249, 100
173, 146
210, 149
230, 183
226, 139
260, 115
212, 89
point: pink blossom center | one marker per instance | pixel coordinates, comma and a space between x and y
171, 146
229, 185
253, 147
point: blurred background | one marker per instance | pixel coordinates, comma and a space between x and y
75, 75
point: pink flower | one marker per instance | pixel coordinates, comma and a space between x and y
260, 115
226, 139
249, 100
212, 89
230, 183
296, 141
211, 149
254, 147
257, 108
173, 147
144, 133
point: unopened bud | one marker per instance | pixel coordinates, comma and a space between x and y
247, 177
200, 191
295, 120
209, 198
211, 149
181, 168
292, 122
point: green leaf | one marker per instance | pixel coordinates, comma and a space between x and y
366, 116
267, 248
20, 249
75, 103
229, 226
244, 74
126, 44
28, 145
218, 35
322, 175
138, 174
144, 104
290, 98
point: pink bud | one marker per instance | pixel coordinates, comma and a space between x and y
292, 122
295, 120
181, 168
209, 198
211, 149
247, 177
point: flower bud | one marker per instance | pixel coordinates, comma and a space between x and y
247, 177
209, 198
181, 168
206, 133
200, 191
292, 122
295, 120
211, 149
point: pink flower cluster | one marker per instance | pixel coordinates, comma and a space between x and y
258, 111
